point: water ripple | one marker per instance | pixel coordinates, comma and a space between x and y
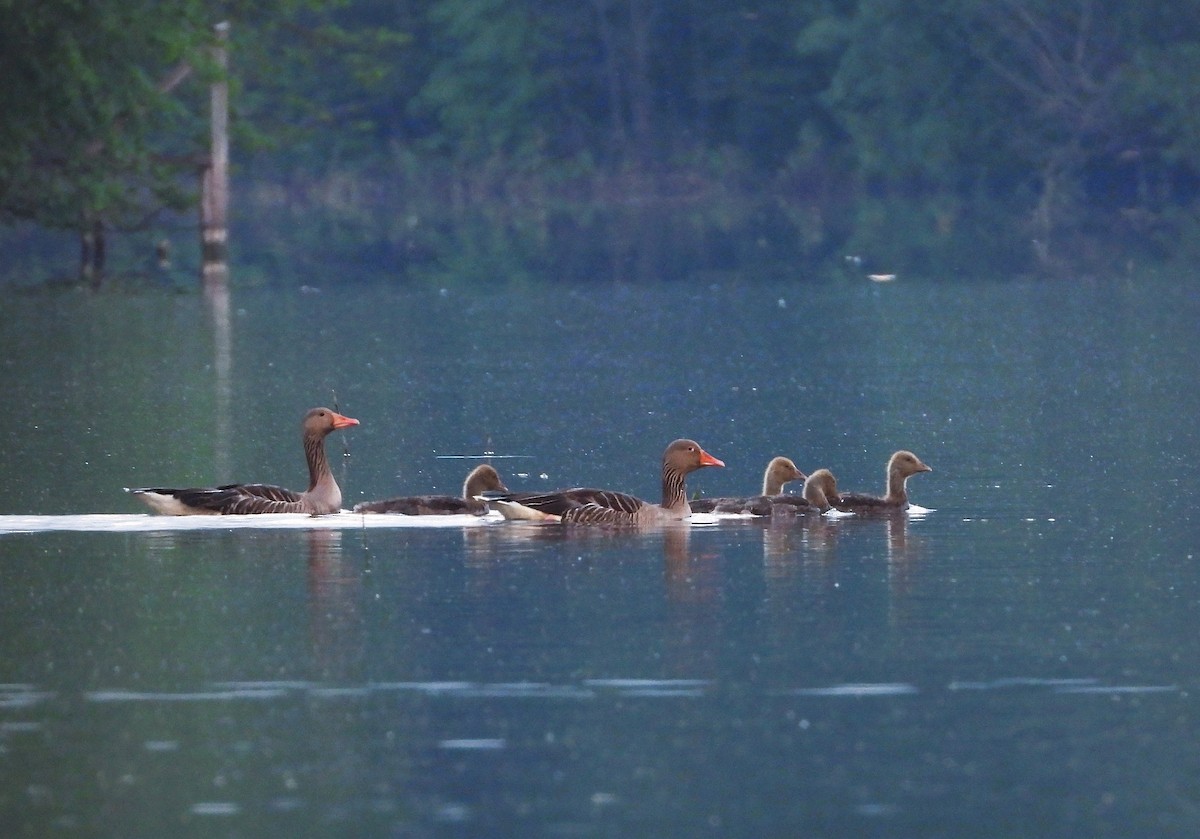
424, 687
1021, 682
587, 689
144, 523
193, 696
473, 744
21, 696
622, 684
216, 808
161, 745
526, 692
663, 693
858, 689
265, 685
1117, 689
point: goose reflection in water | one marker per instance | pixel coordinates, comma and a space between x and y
693, 587
904, 552
807, 544
493, 547
335, 620
691, 578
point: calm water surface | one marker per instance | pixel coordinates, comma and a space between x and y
1022, 660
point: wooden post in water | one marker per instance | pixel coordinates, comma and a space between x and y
214, 180
92, 253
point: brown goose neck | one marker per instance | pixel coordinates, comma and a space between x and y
318, 463
816, 496
674, 493
480, 479
896, 490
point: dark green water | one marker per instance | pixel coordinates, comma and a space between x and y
1022, 660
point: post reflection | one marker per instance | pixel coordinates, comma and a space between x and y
217, 296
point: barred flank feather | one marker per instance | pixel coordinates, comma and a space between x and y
599, 506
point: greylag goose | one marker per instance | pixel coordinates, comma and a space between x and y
482, 478
901, 466
598, 506
322, 496
820, 493
779, 472
820, 489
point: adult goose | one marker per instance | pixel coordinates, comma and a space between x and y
322, 496
901, 466
483, 478
779, 472
598, 506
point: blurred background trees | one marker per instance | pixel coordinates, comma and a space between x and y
1029, 134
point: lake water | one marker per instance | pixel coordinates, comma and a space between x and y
1020, 661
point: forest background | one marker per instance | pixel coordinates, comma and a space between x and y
950, 138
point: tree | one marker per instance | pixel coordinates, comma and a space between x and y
104, 126
485, 82
1068, 124
95, 133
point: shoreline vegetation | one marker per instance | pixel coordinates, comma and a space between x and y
444, 223
648, 141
